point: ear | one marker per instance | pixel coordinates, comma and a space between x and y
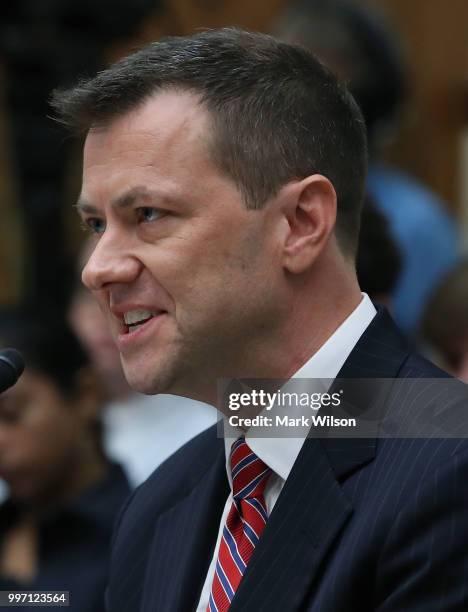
310, 212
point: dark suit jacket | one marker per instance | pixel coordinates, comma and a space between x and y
360, 525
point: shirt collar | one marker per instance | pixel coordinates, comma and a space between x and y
281, 453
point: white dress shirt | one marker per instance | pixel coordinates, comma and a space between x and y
280, 453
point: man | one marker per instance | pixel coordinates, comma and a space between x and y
223, 179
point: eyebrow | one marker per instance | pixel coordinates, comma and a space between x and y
122, 201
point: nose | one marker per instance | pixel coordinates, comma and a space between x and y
110, 262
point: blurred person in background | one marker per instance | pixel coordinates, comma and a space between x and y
360, 48
139, 431
444, 327
55, 526
378, 261
42, 44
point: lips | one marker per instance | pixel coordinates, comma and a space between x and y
134, 316
139, 330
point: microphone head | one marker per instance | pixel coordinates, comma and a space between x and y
11, 368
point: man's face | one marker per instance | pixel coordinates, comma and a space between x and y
177, 253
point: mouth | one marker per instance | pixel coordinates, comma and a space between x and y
136, 323
135, 319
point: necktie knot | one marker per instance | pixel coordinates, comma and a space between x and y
249, 473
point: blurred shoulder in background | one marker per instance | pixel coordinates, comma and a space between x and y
359, 46
64, 494
444, 326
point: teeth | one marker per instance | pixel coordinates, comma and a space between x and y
136, 316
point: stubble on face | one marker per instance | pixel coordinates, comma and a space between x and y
207, 256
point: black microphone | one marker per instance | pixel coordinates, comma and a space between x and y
11, 368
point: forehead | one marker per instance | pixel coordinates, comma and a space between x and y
169, 124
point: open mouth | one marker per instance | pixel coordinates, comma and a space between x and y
136, 319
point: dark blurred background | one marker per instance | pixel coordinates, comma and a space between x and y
50, 43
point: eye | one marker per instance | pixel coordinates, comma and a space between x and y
96, 225
149, 213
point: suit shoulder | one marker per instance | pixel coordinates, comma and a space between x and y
429, 406
417, 366
134, 531
177, 476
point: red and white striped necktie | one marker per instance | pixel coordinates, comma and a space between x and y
244, 525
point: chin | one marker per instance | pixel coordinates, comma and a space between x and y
146, 383
145, 387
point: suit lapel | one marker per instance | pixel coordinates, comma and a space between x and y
307, 517
312, 509
185, 535
379, 353
306, 522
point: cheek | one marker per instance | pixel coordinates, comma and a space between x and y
49, 442
38, 463
52, 433
32, 461
197, 243
214, 270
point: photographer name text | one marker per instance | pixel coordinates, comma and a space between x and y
287, 421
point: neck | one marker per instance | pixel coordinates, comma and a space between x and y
312, 322
85, 469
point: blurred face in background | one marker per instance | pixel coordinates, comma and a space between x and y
43, 438
91, 327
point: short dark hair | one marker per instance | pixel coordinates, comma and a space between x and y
278, 113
